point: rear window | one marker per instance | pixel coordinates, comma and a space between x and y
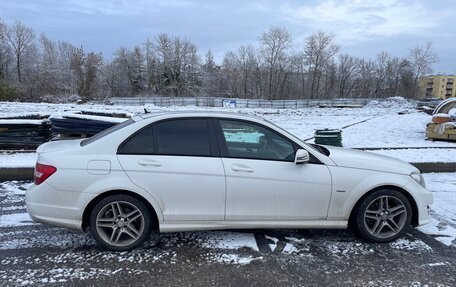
106, 132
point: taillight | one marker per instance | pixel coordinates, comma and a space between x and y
42, 172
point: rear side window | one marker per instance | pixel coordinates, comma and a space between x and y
182, 137
141, 143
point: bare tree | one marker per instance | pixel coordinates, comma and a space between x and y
48, 66
233, 77
32, 68
248, 62
394, 70
210, 75
179, 66
366, 78
130, 65
274, 45
421, 59
320, 49
65, 75
21, 38
86, 68
346, 69
151, 63
93, 62
380, 69
5, 52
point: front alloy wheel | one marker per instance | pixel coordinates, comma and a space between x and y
383, 216
120, 222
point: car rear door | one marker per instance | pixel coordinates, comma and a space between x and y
177, 161
263, 182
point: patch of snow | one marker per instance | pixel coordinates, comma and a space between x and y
391, 130
348, 248
438, 264
14, 160
231, 240
441, 231
21, 122
236, 259
297, 240
15, 219
290, 249
34, 238
15, 187
410, 245
32, 277
443, 223
89, 117
397, 103
420, 155
443, 187
273, 245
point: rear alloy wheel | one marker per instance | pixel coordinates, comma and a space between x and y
383, 216
120, 222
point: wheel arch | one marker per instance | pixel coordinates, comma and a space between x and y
95, 200
415, 215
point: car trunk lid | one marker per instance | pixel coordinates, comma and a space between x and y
58, 145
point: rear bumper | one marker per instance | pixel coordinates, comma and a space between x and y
48, 205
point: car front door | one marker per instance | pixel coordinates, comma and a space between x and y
177, 162
263, 182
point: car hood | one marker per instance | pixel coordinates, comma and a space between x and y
368, 160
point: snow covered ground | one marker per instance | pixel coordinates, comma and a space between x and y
376, 125
420, 155
13, 160
443, 225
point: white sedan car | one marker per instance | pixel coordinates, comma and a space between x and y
182, 171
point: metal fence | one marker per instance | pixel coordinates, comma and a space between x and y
239, 103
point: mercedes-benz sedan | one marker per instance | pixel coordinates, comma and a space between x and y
183, 171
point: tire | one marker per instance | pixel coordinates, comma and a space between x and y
120, 222
382, 216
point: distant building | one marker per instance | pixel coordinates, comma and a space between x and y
437, 86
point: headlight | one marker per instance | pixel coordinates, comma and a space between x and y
416, 175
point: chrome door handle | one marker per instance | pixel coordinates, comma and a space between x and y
149, 163
241, 168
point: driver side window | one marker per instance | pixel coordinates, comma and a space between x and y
248, 140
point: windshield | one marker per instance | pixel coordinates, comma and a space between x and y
106, 132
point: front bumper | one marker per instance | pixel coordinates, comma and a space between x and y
423, 199
48, 205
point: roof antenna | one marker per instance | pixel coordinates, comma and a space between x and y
146, 111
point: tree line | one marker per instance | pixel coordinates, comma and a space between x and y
34, 67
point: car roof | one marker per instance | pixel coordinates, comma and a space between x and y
190, 113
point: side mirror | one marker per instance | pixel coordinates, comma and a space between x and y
302, 156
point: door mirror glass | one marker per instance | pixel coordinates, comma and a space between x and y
302, 156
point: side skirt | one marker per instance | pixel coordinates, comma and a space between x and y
177, 226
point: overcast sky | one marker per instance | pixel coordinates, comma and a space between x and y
362, 27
